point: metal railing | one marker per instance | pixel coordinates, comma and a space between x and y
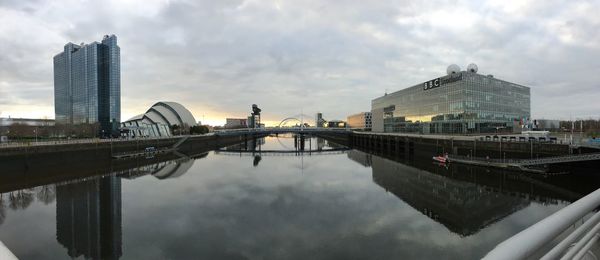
543, 234
273, 130
5, 253
29, 143
530, 162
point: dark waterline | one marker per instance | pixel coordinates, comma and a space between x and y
332, 203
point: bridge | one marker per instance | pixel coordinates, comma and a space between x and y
280, 152
280, 130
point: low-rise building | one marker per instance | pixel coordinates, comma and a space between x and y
26, 121
232, 123
336, 124
360, 121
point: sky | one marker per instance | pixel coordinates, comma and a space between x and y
219, 57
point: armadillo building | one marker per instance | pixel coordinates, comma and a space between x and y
461, 102
159, 120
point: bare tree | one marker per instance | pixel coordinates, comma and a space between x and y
20, 199
46, 194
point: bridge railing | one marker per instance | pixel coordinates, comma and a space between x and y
532, 241
278, 129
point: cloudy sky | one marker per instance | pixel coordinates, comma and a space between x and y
219, 57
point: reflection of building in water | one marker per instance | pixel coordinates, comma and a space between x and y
88, 218
250, 144
321, 143
360, 157
173, 169
162, 170
463, 207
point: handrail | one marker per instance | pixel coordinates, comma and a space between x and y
5, 253
532, 239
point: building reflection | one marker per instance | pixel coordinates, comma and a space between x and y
162, 170
463, 207
363, 159
88, 218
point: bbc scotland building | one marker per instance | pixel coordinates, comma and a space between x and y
87, 85
462, 102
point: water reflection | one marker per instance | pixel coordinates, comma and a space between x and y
162, 170
463, 207
263, 207
88, 210
462, 198
88, 218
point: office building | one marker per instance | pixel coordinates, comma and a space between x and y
87, 84
360, 121
462, 102
336, 124
319, 121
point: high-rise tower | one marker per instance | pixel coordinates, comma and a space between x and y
87, 84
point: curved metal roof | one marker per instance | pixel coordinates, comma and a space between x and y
182, 113
169, 113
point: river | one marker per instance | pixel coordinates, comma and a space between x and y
331, 203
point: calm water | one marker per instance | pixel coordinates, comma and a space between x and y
335, 204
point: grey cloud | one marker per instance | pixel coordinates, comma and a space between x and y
332, 57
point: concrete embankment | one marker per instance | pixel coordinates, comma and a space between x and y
38, 165
459, 145
106, 148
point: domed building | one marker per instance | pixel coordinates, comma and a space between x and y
159, 120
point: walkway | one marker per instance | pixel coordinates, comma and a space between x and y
523, 164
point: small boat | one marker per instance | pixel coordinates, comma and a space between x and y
441, 158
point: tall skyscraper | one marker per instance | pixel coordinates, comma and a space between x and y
87, 84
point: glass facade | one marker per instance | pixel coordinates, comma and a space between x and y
87, 84
460, 103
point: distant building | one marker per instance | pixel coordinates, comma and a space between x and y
159, 121
236, 123
87, 84
336, 124
546, 124
319, 120
26, 121
360, 121
461, 102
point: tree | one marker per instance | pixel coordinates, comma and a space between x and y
46, 194
199, 129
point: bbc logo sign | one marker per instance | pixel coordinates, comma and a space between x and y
431, 84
